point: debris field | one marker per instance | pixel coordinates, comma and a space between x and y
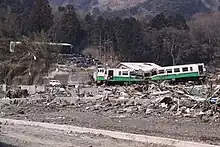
118, 107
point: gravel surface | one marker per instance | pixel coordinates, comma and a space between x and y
26, 136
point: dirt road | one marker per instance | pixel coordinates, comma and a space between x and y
178, 128
27, 136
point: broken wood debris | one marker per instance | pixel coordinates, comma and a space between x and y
142, 100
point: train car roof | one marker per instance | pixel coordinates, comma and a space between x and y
119, 69
184, 65
145, 66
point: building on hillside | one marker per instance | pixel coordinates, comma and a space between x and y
146, 67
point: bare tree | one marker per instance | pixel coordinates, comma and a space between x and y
7, 23
175, 42
205, 30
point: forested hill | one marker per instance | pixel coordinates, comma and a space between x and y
147, 8
165, 39
126, 8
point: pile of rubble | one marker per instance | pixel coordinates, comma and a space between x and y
58, 91
141, 100
153, 100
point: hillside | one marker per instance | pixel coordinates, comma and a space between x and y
165, 39
143, 7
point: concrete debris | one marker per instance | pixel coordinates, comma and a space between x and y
155, 100
59, 91
141, 100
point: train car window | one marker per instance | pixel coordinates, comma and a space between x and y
124, 73
119, 73
154, 73
169, 70
185, 69
161, 71
200, 69
146, 74
176, 70
133, 73
191, 68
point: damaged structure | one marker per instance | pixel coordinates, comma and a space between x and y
146, 67
131, 73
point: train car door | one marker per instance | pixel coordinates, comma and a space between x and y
110, 74
200, 67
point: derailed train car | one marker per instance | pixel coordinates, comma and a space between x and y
117, 76
178, 73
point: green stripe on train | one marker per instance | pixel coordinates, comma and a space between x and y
175, 76
125, 79
100, 78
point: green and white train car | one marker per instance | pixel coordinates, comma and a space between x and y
117, 76
180, 72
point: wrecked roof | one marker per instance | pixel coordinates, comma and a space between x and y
138, 66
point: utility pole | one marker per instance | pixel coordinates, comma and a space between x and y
105, 49
112, 52
100, 45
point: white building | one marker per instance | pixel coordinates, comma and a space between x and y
146, 67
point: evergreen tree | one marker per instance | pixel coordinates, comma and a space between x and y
41, 17
129, 39
159, 21
88, 27
178, 22
70, 26
23, 19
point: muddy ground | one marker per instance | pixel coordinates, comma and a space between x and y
26, 136
184, 128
